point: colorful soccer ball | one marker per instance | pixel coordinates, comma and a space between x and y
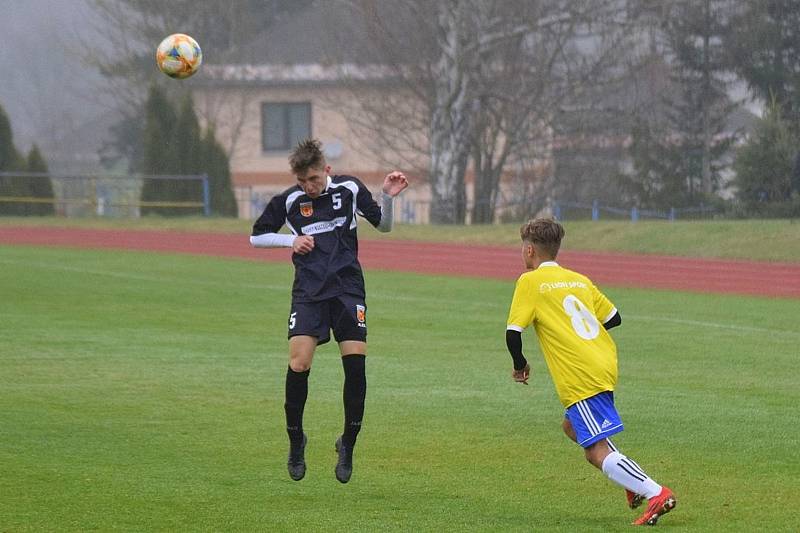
179, 56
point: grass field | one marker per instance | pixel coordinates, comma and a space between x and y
144, 392
760, 240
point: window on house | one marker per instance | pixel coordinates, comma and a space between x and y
283, 125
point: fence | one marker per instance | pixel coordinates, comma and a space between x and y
582, 211
417, 210
406, 210
109, 195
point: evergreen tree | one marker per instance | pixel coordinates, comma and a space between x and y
10, 160
764, 49
174, 145
695, 34
764, 164
40, 187
678, 148
8, 153
187, 142
217, 167
159, 154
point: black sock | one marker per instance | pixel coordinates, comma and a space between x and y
353, 394
296, 394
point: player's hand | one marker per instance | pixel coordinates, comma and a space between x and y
394, 183
303, 244
521, 376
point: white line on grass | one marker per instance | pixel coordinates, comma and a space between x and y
702, 324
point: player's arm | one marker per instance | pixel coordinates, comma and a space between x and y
381, 215
605, 311
519, 316
614, 321
265, 229
514, 345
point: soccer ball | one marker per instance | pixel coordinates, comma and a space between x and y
179, 56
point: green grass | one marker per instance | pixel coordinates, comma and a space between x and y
143, 392
760, 240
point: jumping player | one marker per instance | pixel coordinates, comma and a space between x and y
571, 318
328, 291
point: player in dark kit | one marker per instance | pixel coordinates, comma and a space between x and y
328, 292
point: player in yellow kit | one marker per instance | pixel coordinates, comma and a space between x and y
571, 318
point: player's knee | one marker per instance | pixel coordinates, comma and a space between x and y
589, 456
299, 366
596, 453
568, 429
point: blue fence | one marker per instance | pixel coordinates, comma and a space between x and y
595, 211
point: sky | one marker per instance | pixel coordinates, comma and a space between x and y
44, 88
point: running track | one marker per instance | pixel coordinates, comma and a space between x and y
495, 262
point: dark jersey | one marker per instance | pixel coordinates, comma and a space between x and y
332, 267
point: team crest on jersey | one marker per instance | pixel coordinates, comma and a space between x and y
361, 315
306, 209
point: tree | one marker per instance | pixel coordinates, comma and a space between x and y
524, 83
158, 156
764, 50
174, 145
9, 157
217, 167
479, 80
679, 138
39, 187
11, 160
695, 33
764, 163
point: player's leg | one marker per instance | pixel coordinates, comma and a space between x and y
350, 329
594, 420
301, 352
354, 391
634, 500
305, 332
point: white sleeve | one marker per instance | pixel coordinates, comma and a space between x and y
272, 240
387, 213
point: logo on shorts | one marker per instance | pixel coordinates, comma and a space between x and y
306, 209
605, 424
361, 315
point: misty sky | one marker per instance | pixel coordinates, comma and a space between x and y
45, 90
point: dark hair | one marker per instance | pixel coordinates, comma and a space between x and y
307, 154
543, 233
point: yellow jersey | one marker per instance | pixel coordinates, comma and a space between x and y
568, 312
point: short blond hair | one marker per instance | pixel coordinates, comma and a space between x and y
544, 233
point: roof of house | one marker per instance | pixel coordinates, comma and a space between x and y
296, 74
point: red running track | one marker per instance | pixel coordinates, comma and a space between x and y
495, 262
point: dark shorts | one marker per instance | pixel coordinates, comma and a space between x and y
346, 315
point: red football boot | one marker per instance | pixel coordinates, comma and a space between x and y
657, 506
634, 500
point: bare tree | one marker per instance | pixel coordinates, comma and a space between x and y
524, 83
487, 79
